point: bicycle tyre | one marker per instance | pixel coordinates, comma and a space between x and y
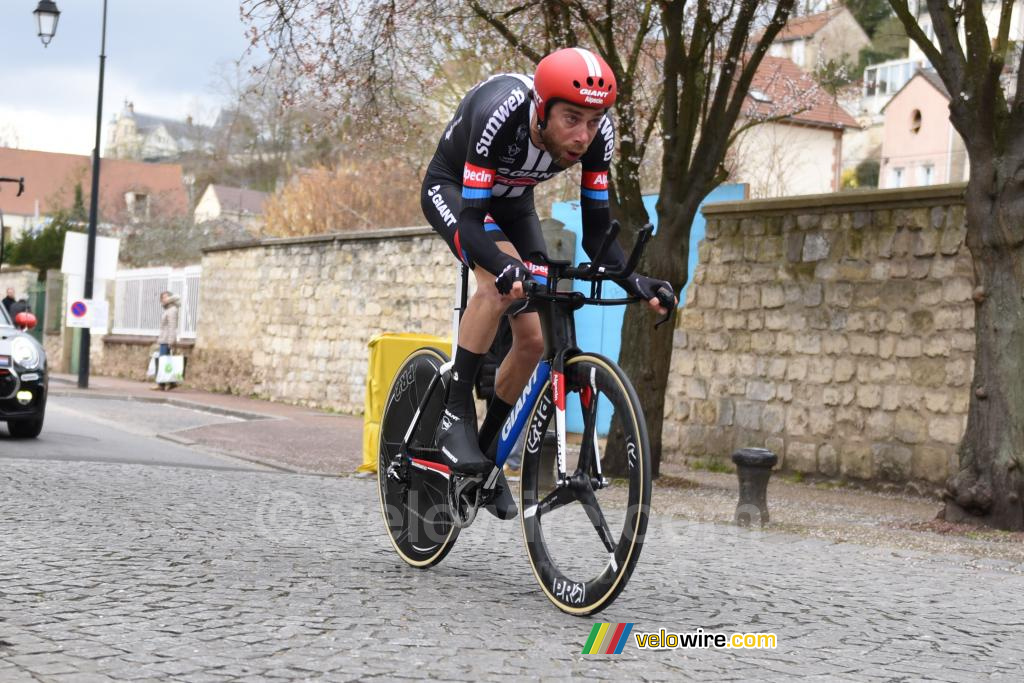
415, 510
553, 547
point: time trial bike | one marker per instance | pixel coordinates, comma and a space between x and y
585, 488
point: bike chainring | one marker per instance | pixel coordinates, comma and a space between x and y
464, 499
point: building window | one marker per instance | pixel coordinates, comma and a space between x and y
915, 121
870, 81
926, 174
897, 177
887, 78
138, 205
798, 52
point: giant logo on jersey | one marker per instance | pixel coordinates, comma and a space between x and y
442, 208
507, 176
500, 115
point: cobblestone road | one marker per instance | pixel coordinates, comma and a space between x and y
125, 572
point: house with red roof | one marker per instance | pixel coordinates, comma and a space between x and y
816, 39
130, 191
790, 138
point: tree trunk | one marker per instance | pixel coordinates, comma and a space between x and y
650, 350
989, 484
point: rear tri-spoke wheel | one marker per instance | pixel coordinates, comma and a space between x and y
414, 500
584, 537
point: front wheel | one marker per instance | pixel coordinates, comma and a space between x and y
25, 429
414, 500
584, 537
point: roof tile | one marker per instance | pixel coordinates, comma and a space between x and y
50, 180
786, 88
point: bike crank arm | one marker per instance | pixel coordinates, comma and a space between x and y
464, 498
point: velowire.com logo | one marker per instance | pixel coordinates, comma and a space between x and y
607, 639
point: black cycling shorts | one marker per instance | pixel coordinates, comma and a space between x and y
508, 220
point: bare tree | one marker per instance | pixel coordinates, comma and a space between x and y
989, 484
346, 197
683, 68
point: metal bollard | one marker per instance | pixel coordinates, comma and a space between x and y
754, 469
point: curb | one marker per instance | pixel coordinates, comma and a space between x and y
270, 464
176, 402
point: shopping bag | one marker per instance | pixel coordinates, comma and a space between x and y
170, 369
151, 368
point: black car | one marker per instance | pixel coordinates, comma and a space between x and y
23, 380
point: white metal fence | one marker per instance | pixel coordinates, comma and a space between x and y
137, 308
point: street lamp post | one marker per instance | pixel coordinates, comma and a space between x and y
47, 15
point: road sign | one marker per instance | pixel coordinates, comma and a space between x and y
91, 313
75, 249
79, 313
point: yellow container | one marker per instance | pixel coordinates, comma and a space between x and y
387, 353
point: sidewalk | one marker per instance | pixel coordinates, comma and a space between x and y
307, 441
289, 437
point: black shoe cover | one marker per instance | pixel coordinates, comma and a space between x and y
457, 439
503, 506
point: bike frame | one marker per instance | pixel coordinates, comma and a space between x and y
558, 324
560, 340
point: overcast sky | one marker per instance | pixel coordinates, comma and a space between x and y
163, 55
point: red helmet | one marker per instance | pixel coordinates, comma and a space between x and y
575, 75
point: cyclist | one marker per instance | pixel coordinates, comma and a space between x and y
509, 133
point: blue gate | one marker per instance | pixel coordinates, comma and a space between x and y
599, 328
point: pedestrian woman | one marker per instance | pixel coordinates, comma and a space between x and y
168, 329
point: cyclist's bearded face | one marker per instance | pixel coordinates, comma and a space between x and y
569, 132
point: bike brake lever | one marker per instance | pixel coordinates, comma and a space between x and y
667, 299
521, 309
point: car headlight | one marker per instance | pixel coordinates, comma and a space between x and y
25, 353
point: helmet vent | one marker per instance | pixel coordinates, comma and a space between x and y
576, 84
590, 80
600, 82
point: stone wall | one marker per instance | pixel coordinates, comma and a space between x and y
128, 357
836, 330
289, 319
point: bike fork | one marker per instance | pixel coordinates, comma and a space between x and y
558, 393
558, 398
595, 447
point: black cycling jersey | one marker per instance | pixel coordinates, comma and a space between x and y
487, 151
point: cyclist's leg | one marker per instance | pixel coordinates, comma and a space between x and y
457, 435
517, 366
441, 201
519, 222
523, 229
